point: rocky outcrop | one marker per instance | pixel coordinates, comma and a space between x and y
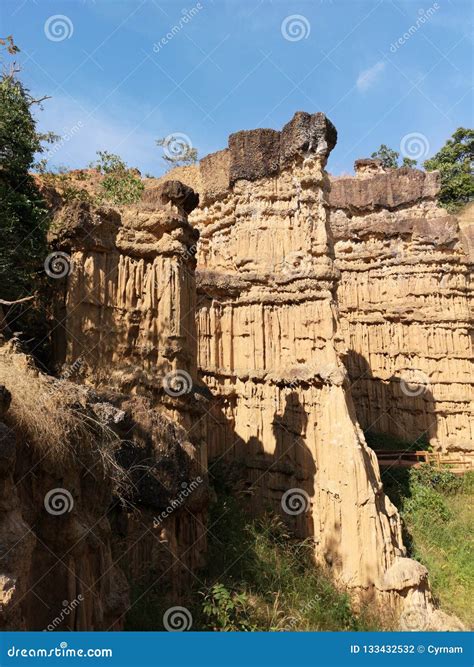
119, 498
270, 345
129, 466
404, 300
128, 308
404, 296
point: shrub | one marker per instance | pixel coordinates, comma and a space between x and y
65, 185
121, 185
226, 610
260, 578
178, 151
427, 503
441, 480
389, 158
436, 507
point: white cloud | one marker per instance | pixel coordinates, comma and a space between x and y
368, 77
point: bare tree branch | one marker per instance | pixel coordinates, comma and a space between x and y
39, 100
13, 303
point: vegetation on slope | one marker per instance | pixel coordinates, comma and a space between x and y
258, 579
437, 509
270, 578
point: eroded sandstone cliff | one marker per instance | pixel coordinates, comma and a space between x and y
270, 348
104, 485
404, 299
225, 340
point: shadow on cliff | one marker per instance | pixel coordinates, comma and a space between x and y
282, 480
395, 414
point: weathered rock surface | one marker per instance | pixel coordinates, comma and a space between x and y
127, 504
271, 343
242, 359
404, 295
129, 305
404, 299
125, 322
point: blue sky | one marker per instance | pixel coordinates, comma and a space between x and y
240, 64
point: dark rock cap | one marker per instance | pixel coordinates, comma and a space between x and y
178, 193
307, 133
387, 190
255, 154
362, 163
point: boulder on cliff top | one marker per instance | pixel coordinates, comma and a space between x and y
255, 154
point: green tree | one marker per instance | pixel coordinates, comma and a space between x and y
390, 158
455, 163
121, 184
23, 213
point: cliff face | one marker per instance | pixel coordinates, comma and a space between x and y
128, 310
404, 295
228, 340
270, 345
123, 496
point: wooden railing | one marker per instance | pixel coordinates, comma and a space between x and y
404, 459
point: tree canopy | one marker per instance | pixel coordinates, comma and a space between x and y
390, 158
455, 162
23, 214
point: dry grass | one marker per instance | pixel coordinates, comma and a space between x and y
51, 415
